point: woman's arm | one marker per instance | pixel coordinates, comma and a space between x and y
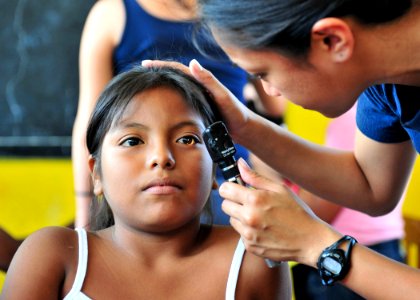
325, 210
95, 70
377, 277
375, 172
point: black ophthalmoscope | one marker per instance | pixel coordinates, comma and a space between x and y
222, 151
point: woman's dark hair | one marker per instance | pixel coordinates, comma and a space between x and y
285, 25
111, 106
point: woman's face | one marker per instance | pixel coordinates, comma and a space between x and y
155, 170
313, 85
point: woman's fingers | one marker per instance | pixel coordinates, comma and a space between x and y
197, 71
234, 112
255, 180
219, 91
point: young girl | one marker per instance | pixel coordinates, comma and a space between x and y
121, 33
152, 177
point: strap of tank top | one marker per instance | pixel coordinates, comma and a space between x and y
234, 270
83, 259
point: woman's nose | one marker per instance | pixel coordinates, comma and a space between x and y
270, 89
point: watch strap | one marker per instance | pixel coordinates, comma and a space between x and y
342, 256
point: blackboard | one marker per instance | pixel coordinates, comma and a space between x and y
39, 45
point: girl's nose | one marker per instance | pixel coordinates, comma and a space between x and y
161, 157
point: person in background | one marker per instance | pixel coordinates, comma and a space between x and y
152, 177
121, 33
324, 56
8, 247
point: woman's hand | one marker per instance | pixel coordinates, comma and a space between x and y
273, 222
235, 114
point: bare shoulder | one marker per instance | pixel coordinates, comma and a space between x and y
262, 282
224, 236
50, 238
108, 7
256, 279
52, 244
48, 255
107, 16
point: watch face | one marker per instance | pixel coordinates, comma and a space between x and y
332, 265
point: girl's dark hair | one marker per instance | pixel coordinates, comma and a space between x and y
111, 106
285, 25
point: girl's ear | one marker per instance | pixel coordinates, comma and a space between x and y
334, 37
96, 179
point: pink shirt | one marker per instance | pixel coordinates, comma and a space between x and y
366, 229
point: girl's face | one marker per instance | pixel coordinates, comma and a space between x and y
155, 170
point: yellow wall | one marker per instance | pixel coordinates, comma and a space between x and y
35, 193
411, 207
308, 124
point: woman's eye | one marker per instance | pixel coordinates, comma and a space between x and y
132, 141
188, 140
262, 76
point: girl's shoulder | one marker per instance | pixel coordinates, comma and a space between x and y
49, 255
53, 233
52, 237
223, 237
225, 231
256, 278
52, 245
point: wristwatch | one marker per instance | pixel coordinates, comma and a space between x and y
334, 263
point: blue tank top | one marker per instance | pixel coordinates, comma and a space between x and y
148, 37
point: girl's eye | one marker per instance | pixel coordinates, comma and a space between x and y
132, 141
188, 140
